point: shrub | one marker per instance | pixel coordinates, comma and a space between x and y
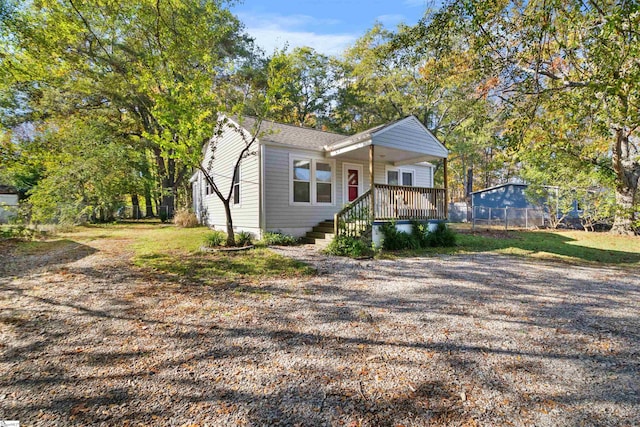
185, 219
215, 239
394, 240
350, 246
16, 232
244, 239
442, 236
279, 239
419, 231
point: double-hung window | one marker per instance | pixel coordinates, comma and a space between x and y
401, 176
312, 181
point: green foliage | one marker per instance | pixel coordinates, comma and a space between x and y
279, 239
420, 236
215, 239
18, 232
243, 238
442, 236
353, 247
300, 87
394, 240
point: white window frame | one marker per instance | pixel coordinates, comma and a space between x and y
400, 171
312, 180
233, 199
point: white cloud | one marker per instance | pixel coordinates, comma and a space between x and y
273, 31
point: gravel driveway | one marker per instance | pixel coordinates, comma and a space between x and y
470, 340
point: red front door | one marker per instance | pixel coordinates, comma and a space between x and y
353, 184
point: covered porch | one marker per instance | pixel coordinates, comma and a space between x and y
394, 195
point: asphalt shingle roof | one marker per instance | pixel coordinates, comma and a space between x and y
296, 136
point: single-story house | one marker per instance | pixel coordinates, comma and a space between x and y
8, 202
307, 181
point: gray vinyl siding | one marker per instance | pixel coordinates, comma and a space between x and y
410, 135
281, 215
245, 215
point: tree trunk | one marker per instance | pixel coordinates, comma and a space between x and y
231, 238
148, 201
628, 173
135, 206
166, 172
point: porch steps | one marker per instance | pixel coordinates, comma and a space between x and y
321, 234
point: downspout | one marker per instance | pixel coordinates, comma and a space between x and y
261, 185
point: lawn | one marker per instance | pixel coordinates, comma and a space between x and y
166, 249
567, 246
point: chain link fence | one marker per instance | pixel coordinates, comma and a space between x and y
509, 217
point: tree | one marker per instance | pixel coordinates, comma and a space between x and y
389, 75
580, 56
300, 87
245, 150
158, 65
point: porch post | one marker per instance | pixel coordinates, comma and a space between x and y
371, 185
446, 190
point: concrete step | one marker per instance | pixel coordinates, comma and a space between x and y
327, 223
323, 229
319, 235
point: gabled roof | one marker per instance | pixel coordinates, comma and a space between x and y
361, 136
295, 136
495, 187
408, 134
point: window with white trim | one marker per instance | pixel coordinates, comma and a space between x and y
324, 185
302, 181
312, 181
400, 176
236, 185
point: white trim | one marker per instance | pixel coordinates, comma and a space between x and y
413, 161
312, 179
345, 180
349, 148
262, 209
388, 168
233, 196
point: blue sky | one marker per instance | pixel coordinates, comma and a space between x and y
329, 26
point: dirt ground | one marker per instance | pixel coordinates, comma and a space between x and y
468, 340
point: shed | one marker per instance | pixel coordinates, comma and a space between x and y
8, 202
506, 203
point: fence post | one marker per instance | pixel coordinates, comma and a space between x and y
473, 217
489, 221
526, 218
506, 218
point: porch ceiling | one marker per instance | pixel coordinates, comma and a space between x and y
382, 154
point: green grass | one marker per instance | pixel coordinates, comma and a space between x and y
567, 246
169, 250
176, 251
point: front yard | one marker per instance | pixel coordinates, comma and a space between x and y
127, 325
